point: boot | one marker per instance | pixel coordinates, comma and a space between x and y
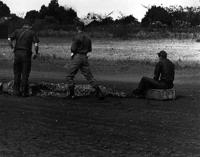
16, 90
25, 91
99, 93
16, 93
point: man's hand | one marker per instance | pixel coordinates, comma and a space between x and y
72, 55
10, 43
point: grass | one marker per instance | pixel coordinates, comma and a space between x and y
120, 53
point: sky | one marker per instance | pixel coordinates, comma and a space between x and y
103, 7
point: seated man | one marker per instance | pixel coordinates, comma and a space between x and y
163, 76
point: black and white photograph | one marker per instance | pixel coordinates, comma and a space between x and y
99, 78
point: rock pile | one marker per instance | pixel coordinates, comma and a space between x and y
45, 89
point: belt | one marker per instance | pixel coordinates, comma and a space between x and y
22, 49
84, 54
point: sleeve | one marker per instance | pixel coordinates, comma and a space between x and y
157, 71
35, 38
74, 46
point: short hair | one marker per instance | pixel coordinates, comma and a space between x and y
162, 54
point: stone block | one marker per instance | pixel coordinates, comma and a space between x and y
161, 94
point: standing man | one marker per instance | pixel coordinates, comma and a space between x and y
24, 38
163, 76
81, 45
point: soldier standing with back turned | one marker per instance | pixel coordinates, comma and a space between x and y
24, 38
81, 45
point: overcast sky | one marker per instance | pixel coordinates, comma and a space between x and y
127, 7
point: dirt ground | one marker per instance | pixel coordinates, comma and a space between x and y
87, 127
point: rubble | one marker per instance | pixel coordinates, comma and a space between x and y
46, 89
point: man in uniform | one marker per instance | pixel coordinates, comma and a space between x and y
163, 76
81, 45
24, 38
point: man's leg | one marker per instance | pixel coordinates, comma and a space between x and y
17, 69
73, 69
149, 83
85, 70
26, 69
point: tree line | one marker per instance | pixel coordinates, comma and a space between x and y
56, 17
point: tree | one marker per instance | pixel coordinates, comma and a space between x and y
196, 19
156, 14
192, 15
66, 16
59, 13
53, 8
15, 22
4, 10
32, 15
184, 17
178, 15
106, 21
43, 11
127, 20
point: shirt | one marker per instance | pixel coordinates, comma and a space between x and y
24, 38
164, 71
81, 44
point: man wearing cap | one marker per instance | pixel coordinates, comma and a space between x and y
163, 76
24, 38
81, 46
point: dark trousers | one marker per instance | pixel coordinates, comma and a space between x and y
149, 83
22, 69
80, 62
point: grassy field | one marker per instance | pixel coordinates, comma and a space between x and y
114, 127
184, 50
116, 60
143, 50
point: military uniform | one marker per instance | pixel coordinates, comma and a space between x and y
22, 57
163, 77
81, 45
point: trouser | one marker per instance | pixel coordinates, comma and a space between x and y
22, 69
80, 62
149, 83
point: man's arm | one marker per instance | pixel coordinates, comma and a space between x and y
36, 45
74, 47
157, 71
11, 38
10, 43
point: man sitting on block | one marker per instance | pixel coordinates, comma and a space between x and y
163, 76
